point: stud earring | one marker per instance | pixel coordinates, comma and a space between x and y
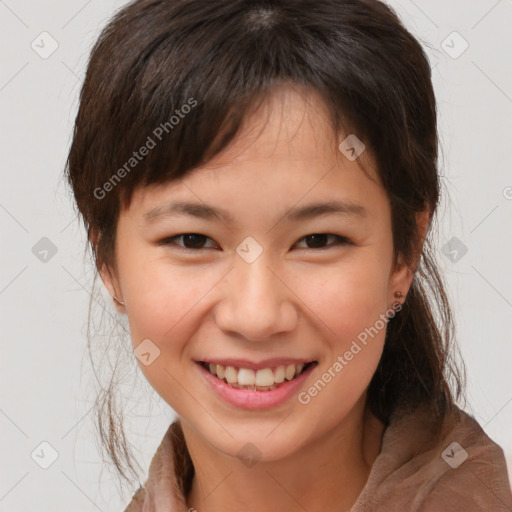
397, 295
119, 301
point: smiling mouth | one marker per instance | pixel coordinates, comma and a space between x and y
265, 379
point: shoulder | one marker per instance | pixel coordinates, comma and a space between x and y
162, 490
436, 463
137, 500
473, 471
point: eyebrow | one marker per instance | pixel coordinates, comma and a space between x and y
204, 211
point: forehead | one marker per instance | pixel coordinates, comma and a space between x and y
286, 152
292, 123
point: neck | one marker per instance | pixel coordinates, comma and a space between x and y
327, 474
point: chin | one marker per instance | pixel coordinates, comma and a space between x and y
263, 441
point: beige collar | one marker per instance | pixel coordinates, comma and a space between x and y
416, 470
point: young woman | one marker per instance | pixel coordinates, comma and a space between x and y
258, 180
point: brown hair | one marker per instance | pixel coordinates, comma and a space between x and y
222, 58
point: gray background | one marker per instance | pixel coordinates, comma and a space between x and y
47, 383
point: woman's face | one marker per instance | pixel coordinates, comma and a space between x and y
255, 290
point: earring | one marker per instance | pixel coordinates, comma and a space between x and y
119, 301
397, 295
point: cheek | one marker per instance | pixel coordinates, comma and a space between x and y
347, 298
166, 306
161, 296
353, 307
351, 302
163, 301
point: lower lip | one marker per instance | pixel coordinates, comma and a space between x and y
247, 399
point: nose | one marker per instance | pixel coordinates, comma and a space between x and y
256, 302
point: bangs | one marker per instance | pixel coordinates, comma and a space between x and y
172, 84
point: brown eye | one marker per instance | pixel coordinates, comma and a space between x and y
319, 241
193, 240
316, 240
189, 241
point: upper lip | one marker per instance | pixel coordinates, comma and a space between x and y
267, 363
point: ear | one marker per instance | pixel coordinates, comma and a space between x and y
107, 275
111, 283
403, 274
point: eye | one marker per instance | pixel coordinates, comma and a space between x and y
194, 242
317, 240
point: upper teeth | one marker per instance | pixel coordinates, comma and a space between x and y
266, 377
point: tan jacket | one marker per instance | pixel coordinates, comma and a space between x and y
459, 469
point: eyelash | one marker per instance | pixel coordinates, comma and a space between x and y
341, 240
